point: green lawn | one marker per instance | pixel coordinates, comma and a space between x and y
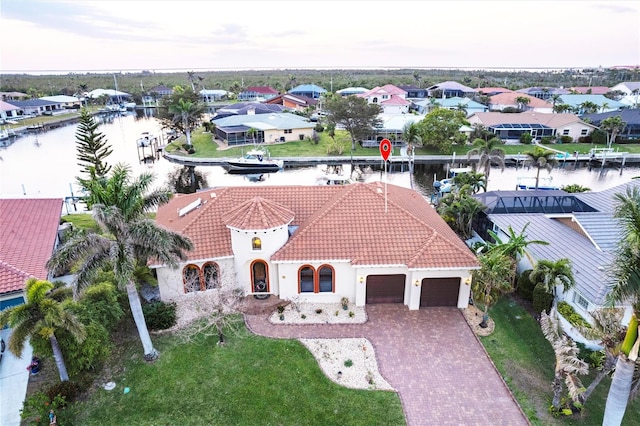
206, 148
526, 361
250, 381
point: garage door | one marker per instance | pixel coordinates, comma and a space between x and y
440, 292
385, 288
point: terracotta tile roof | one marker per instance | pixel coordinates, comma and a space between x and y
595, 90
509, 98
335, 223
527, 117
395, 100
258, 213
28, 232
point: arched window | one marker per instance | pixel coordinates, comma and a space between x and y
191, 278
375, 100
307, 278
210, 273
325, 279
256, 243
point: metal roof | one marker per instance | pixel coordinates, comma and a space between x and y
531, 201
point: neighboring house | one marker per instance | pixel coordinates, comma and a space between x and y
271, 128
308, 90
455, 103
318, 244
628, 87
589, 90
247, 108
449, 89
28, 236
576, 103
37, 106
391, 99
67, 102
352, 91
509, 126
509, 100
543, 93
491, 91
631, 117
413, 92
258, 93
212, 95
578, 226
13, 96
9, 111
392, 126
160, 91
294, 102
630, 101
115, 96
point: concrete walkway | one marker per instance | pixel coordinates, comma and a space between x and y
14, 378
441, 371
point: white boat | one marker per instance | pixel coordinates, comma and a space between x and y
446, 185
253, 162
529, 182
334, 179
146, 139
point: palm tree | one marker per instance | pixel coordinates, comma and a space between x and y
188, 113
458, 209
542, 159
41, 315
555, 99
607, 330
625, 276
491, 280
411, 135
568, 365
488, 152
560, 108
522, 102
551, 273
588, 107
474, 180
613, 126
129, 238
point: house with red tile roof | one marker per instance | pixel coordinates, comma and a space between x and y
371, 243
28, 237
590, 90
391, 98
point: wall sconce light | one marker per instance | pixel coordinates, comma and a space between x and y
467, 280
361, 280
417, 283
284, 277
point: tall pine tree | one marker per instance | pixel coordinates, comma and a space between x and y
92, 147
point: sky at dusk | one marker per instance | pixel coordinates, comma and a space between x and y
113, 35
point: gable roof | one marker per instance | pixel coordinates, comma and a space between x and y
28, 237
296, 99
528, 117
352, 90
243, 108
629, 116
6, 106
387, 89
452, 85
265, 121
60, 98
600, 100
335, 223
454, 102
595, 90
305, 88
33, 103
509, 98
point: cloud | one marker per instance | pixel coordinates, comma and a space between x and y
617, 8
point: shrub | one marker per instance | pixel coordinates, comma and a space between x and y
191, 150
319, 128
566, 139
542, 300
348, 363
598, 137
351, 314
571, 315
35, 409
280, 309
100, 303
585, 139
546, 140
67, 390
524, 286
318, 311
526, 138
159, 315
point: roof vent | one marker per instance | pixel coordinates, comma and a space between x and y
192, 206
213, 195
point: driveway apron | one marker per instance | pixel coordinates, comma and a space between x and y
430, 356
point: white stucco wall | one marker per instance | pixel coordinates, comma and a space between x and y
344, 282
171, 284
272, 136
575, 130
464, 290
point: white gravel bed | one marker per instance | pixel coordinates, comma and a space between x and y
330, 313
333, 356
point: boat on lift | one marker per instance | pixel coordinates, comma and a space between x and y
529, 182
445, 185
254, 162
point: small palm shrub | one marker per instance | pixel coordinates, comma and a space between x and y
542, 300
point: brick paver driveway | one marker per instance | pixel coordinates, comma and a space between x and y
430, 356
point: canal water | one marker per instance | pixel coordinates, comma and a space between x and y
44, 165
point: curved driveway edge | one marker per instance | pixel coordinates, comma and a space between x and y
431, 356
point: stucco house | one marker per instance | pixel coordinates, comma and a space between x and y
28, 237
294, 102
212, 95
455, 103
9, 111
579, 227
543, 93
577, 102
491, 91
67, 102
309, 90
258, 93
391, 99
37, 106
271, 128
509, 126
449, 89
348, 91
627, 87
371, 243
631, 117
509, 100
589, 90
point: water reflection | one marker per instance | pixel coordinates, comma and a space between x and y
45, 165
